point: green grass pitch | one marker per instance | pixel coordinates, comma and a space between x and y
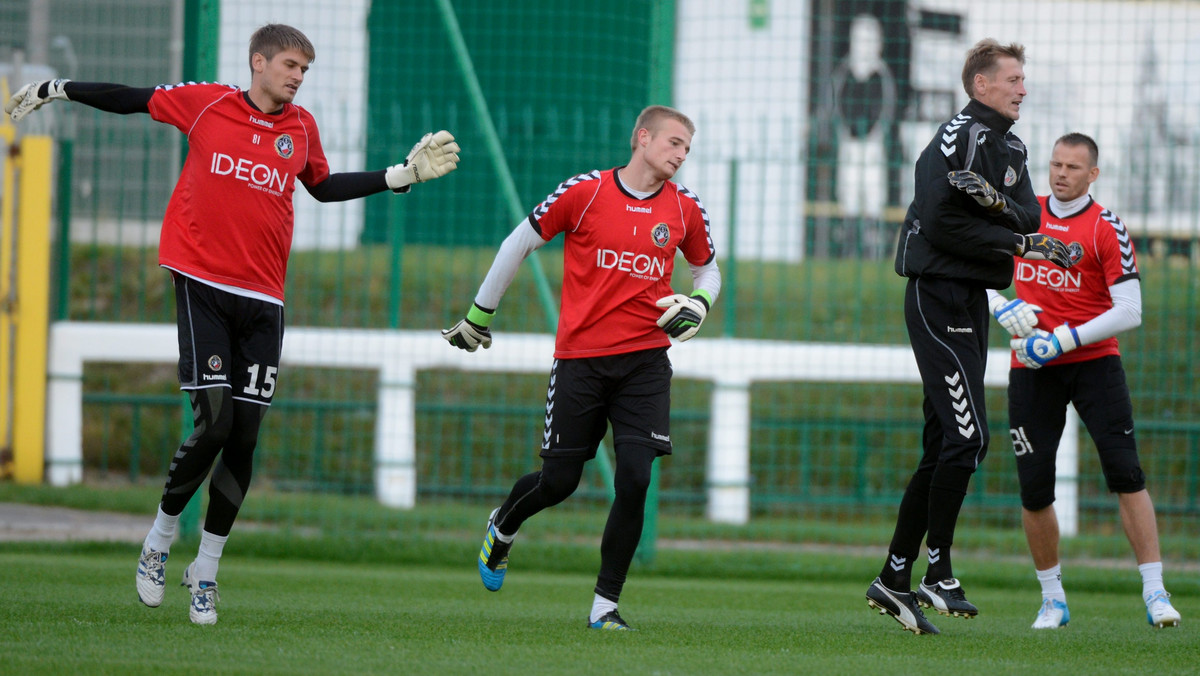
72, 609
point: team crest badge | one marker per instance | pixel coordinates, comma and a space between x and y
1075, 251
214, 363
1010, 177
661, 235
284, 146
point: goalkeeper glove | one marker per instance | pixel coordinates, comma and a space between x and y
1044, 248
977, 187
472, 331
33, 96
1016, 316
1043, 346
434, 156
684, 314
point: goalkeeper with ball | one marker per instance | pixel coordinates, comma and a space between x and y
225, 240
622, 228
1065, 351
972, 210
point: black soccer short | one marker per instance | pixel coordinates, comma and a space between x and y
632, 391
1037, 408
226, 340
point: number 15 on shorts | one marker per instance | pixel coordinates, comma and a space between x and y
267, 387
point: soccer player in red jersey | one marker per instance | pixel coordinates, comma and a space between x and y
225, 239
1065, 351
622, 228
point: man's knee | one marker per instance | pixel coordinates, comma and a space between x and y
560, 477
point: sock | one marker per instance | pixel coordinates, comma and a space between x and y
209, 556
504, 538
897, 572
939, 565
1051, 581
601, 607
162, 533
1152, 580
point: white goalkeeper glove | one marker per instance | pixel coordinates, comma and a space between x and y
472, 331
1044, 346
33, 96
434, 156
684, 314
1015, 316
977, 187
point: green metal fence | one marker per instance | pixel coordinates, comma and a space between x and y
561, 87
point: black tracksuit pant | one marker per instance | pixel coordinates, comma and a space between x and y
948, 325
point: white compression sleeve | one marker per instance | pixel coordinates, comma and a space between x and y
706, 277
1125, 314
521, 242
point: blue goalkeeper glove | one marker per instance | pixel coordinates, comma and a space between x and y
1044, 346
472, 331
684, 314
1016, 316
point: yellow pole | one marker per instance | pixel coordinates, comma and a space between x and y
33, 309
8, 132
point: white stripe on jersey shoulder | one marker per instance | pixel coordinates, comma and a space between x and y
540, 210
300, 112
190, 83
232, 90
1124, 242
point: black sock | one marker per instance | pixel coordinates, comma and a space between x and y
946, 494
897, 572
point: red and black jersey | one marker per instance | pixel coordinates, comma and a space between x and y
619, 253
230, 217
1101, 245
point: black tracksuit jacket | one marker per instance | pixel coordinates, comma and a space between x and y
946, 233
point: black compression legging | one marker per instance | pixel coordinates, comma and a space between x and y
225, 426
558, 479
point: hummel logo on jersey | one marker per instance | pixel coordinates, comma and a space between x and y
955, 329
951, 135
637, 210
264, 123
1056, 226
1123, 241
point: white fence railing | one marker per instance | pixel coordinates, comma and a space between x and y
731, 364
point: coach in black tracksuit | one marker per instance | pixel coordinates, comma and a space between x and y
974, 208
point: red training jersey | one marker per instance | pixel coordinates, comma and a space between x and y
1101, 244
619, 252
230, 217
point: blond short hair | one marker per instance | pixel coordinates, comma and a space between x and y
652, 117
984, 58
